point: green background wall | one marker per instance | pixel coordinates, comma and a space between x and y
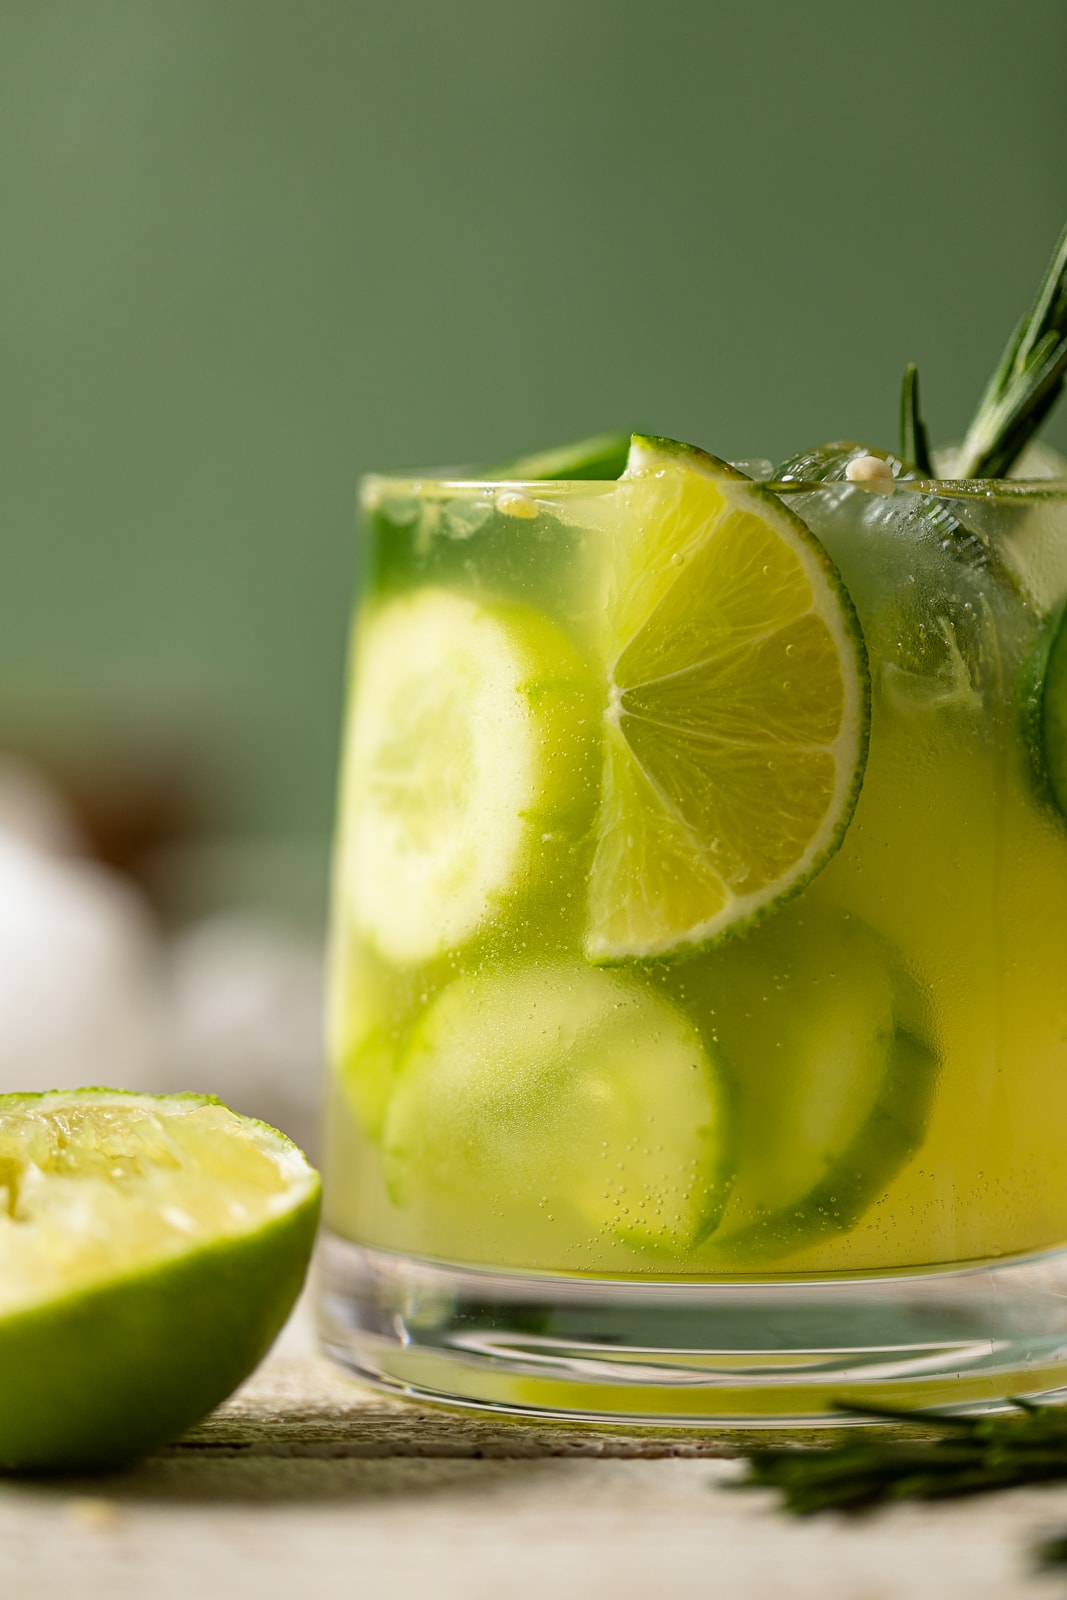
253, 247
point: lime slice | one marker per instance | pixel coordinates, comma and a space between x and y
828, 1041
466, 769
150, 1249
600, 458
737, 708
532, 1091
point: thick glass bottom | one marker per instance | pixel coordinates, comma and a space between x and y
745, 1353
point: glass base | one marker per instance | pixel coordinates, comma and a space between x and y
746, 1353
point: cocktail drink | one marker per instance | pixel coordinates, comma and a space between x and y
698, 1017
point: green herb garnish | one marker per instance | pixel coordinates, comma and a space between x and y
1026, 384
971, 1455
1053, 1552
914, 439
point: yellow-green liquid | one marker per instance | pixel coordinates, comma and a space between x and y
948, 894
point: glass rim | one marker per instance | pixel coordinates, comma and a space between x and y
375, 486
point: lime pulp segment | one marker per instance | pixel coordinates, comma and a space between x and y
98, 1184
737, 708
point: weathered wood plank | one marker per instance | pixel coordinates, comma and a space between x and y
306, 1484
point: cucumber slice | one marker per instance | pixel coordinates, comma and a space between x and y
1044, 708
372, 1006
367, 999
562, 1103
467, 770
829, 1043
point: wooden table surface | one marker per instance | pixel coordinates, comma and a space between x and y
306, 1485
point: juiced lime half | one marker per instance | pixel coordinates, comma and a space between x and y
736, 713
150, 1250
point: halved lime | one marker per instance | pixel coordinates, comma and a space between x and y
466, 769
150, 1249
562, 1103
737, 708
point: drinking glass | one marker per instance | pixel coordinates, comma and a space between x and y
819, 1161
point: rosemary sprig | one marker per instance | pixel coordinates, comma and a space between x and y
1026, 384
971, 1455
914, 439
1052, 1552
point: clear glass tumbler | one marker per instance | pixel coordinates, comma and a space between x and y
740, 1178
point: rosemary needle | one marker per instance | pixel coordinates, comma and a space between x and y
1026, 384
914, 439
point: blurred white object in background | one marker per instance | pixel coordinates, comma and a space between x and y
32, 811
244, 1015
91, 992
80, 1000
